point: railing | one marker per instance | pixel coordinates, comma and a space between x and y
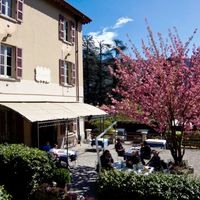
192, 143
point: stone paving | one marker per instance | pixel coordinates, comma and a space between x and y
84, 174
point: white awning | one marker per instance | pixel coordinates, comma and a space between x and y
53, 111
83, 109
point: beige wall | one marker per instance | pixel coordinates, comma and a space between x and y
38, 37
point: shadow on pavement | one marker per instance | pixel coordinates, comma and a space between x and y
84, 181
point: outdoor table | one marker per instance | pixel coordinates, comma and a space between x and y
156, 143
102, 142
130, 151
63, 154
139, 168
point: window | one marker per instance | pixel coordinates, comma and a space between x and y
10, 62
66, 30
13, 9
67, 73
7, 7
6, 54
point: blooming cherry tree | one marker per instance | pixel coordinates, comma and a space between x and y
161, 87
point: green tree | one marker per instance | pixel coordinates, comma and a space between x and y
98, 82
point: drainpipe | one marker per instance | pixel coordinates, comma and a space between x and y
77, 76
77, 61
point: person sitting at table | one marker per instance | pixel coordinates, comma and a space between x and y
119, 148
155, 161
145, 152
47, 146
106, 160
53, 150
134, 159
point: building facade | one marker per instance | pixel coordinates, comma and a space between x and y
41, 72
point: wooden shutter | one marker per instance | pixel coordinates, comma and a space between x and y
19, 10
61, 27
18, 63
61, 72
73, 77
0, 6
72, 29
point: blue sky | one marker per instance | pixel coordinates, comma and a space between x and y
113, 19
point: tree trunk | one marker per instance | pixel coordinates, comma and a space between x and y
175, 145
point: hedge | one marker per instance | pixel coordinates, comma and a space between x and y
115, 184
3, 194
23, 168
61, 176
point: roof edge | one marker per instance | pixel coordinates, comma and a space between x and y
84, 19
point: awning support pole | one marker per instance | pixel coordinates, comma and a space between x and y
67, 143
38, 135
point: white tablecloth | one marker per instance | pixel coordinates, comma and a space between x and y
156, 143
63, 152
102, 142
139, 168
131, 150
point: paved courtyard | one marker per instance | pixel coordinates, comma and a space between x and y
87, 155
84, 174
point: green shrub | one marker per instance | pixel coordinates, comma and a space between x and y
98, 124
61, 176
23, 168
3, 194
119, 185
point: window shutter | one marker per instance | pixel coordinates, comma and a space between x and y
61, 72
72, 27
19, 10
73, 77
0, 6
18, 63
61, 27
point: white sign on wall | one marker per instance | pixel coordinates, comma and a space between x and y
42, 74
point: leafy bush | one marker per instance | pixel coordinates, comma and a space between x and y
98, 124
119, 185
61, 176
3, 194
23, 168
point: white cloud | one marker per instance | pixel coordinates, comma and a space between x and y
104, 36
121, 21
108, 34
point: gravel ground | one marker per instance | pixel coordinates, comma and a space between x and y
84, 174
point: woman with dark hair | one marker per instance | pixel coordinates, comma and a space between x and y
155, 161
145, 152
106, 160
119, 148
134, 159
